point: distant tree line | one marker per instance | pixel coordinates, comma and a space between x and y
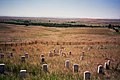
28, 22
116, 28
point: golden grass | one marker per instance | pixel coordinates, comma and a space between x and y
97, 54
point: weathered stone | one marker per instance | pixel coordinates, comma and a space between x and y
87, 75
45, 67
22, 58
108, 62
106, 65
2, 68
56, 52
75, 68
81, 57
50, 54
26, 55
100, 69
23, 73
67, 63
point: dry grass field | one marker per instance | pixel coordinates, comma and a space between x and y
98, 45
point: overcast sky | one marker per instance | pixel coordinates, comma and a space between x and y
61, 8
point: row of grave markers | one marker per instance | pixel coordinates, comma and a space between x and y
87, 74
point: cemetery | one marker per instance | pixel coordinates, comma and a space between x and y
62, 54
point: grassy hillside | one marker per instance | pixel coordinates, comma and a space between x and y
95, 54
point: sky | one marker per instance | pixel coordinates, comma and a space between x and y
61, 8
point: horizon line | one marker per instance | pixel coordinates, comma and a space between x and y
59, 17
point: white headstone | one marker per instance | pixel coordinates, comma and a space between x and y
67, 63
2, 68
23, 73
45, 67
106, 65
108, 62
22, 58
100, 69
75, 68
26, 55
50, 54
87, 75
